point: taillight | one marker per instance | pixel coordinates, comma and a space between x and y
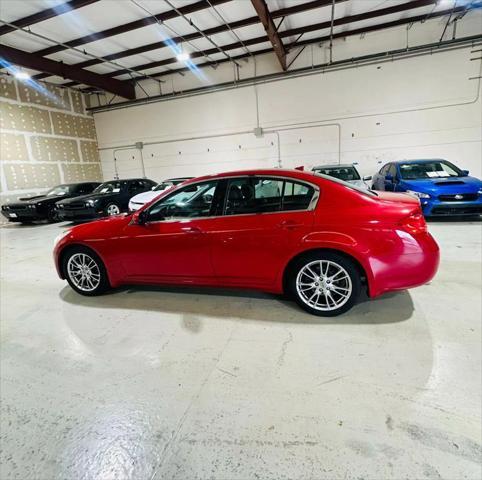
414, 223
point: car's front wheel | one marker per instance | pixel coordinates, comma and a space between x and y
325, 284
85, 271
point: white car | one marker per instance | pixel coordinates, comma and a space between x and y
347, 172
145, 197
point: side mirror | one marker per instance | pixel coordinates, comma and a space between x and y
389, 177
466, 173
368, 177
154, 187
141, 217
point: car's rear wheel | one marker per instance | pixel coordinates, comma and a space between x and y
324, 283
112, 209
85, 271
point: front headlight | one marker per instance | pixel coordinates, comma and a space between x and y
90, 203
32, 206
480, 191
417, 194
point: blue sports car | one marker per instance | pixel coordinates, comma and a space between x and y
443, 189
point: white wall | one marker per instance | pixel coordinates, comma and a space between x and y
421, 107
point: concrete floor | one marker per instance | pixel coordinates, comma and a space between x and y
162, 383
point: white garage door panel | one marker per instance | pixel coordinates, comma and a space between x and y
309, 146
207, 156
128, 163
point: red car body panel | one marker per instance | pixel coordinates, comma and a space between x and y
254, 250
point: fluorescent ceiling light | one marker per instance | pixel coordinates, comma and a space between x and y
183, 57
22, 75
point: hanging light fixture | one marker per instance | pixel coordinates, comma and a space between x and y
21, 75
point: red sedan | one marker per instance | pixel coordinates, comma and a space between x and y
315, 237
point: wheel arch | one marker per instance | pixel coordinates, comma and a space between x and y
74, 246
365, 274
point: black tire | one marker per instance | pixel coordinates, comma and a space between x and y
112, 205
103, 282
53, 215
337, 260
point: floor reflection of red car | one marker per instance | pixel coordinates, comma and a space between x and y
317, 238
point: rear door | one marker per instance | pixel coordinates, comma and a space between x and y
264, 220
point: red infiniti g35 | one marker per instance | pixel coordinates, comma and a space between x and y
314, 237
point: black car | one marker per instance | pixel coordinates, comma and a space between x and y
109, 198
42, 207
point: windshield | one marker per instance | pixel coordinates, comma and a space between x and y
342, 173
435, 169
108, 187
163, 186
169, 183
59, 191
365, 191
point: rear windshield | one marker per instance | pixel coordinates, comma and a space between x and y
342, 173
365, 191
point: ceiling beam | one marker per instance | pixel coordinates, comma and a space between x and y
298, 8
348, 33
267, 20
128, 27
34, 62
401, 7
290, 33
46, 14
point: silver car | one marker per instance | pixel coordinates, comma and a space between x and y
345, 171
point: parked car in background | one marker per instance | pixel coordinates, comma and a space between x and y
315, 237
142, 198
346, 172
443, 188
43, 207
109, 198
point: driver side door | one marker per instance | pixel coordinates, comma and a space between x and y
173, 246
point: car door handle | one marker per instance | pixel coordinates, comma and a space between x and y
191, 230
289, 225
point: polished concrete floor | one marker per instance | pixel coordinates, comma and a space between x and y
149, 383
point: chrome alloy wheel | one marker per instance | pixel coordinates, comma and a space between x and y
113, 210
324, 285
84, 272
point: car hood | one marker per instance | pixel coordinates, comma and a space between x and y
36, 199
102, 228
440, 185
91, 196
146, 197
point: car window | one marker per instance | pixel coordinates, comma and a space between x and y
384, 169
135, 186
82, 189
263, 194
163, 186
343, 173
59, 191
109, 187
297, 196
253, 195
392, 170
192, 201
